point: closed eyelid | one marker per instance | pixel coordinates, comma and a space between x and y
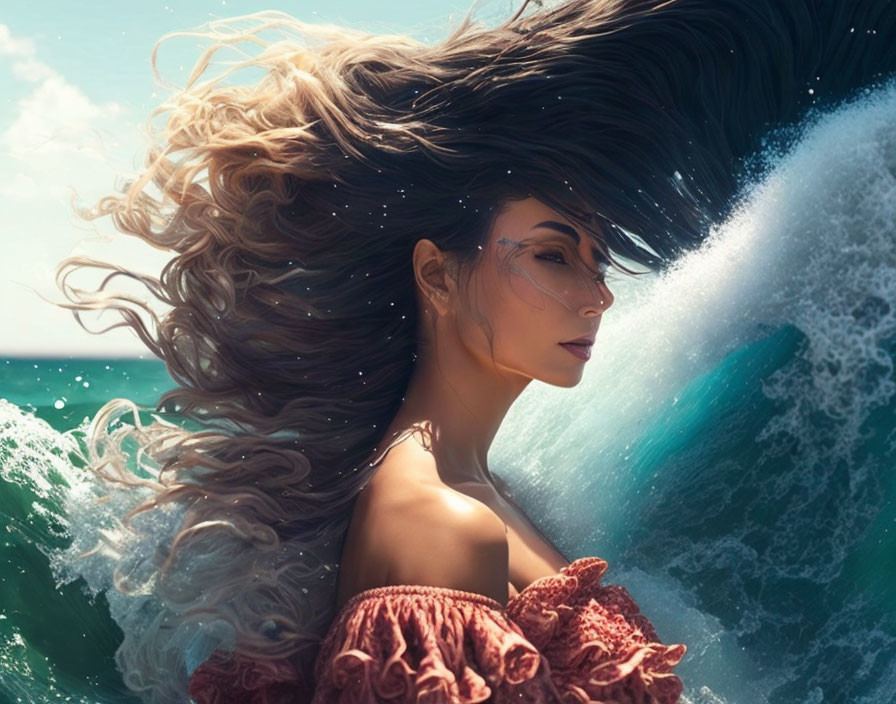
599, 276
570, 232
602, 262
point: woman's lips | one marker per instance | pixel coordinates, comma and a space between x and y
580, 351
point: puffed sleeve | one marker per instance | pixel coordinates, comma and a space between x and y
599, 644
428, 645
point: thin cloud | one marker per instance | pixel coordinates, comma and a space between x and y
57, 141
55, 129
14, 46
57, 117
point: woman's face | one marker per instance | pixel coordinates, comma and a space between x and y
536, 287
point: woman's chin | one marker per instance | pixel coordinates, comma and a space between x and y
566, 380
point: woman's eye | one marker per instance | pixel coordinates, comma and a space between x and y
559, 258
552, 257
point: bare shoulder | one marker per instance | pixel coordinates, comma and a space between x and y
413, 529
443, 538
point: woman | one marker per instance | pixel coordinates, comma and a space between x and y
379, 245
462, 385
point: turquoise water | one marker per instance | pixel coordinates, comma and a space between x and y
730, 451
56, 642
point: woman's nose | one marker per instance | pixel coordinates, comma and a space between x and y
600, 300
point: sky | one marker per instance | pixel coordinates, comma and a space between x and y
78, 89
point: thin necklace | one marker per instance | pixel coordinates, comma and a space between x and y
392, 444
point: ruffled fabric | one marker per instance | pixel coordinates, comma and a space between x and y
600, 646
232, 678
564, 639
428, 645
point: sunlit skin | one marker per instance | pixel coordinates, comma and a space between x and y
533, 298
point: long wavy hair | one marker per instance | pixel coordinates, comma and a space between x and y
292, 205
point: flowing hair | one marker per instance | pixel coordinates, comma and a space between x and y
292, 205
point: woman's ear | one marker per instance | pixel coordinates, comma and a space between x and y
433, 272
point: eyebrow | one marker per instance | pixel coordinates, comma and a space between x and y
567, 230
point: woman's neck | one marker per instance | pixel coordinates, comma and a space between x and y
459, 404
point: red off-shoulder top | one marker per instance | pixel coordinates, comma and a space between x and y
564, 639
